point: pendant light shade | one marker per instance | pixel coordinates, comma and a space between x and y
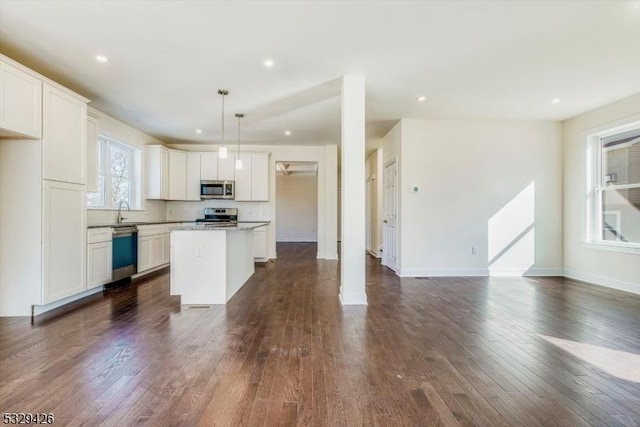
238, 159
222, 153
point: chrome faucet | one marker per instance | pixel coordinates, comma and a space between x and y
120, 217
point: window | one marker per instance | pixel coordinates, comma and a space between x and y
117, 176
615, 187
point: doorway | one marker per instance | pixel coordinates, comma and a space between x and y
296, 202
390, 215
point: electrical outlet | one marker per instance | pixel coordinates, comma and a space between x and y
198, 251
474, 250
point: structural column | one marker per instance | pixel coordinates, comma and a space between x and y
352, 150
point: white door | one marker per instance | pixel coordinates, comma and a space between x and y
227, 168
390, 217
20, 102
193, 176
177, 175
98, 264
243, 179
208, 167
260, 177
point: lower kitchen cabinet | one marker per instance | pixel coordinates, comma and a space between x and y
63, 240
154, 246
260, 243
98, 264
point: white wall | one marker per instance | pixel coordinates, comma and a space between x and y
327, 158
152, 210
583, 261
296, 208
492, 185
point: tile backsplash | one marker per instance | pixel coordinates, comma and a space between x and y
155, 210
159, 210
247, 211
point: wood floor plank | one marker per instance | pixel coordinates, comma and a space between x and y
450, 351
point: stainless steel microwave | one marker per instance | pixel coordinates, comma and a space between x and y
217, 190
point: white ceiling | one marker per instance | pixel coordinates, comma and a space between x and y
471, 59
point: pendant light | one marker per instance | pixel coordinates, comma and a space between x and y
222, 153
238, 159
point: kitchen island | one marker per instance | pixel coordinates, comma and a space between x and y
210, 263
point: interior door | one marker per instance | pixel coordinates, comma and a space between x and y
390, 217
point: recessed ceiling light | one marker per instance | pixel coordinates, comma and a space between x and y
287, 132
555, 101
198, 130
268, 62
101, 58
421, 98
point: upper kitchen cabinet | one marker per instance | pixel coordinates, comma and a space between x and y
243, 179
260, 177
20, 103
93, 129
157, 172
64, 134
193, 176
177, 175
209, 166
227, 168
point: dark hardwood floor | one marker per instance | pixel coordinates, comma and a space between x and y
441, 351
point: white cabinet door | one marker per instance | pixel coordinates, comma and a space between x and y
177, 175
209, 166
64, 132
157, 172
243, 179
167, 248
92, 153
20, 102
193, 176
64, 240
260, 177
227, 168
98, 264
157, 250
144, 253
260, 243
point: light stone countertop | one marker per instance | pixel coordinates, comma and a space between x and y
203, 226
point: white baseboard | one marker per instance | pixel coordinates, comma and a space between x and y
603, 281
479, 272
353, 299
373, 253
40, 309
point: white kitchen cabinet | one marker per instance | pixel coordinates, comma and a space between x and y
177, 175
260, 243
167, 248
20, 102
63, 240
99, 256
157, 172
260, 177
193, 176
243, 179
92, 153
151, 247
209, 166
64, 134
227, 168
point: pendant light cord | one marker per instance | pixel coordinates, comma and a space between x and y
223, 92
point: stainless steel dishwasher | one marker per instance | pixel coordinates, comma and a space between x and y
124, 252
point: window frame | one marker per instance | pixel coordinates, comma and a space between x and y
104, 145
596, 189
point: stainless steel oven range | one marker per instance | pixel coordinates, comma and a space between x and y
220, 216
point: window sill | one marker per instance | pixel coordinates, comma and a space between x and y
612, 247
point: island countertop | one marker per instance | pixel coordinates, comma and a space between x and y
204, 226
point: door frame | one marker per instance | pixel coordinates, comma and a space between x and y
389, 162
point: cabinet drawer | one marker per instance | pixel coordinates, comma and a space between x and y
97, 235
151, 230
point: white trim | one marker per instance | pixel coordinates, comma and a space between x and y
603, 281
333, 256
612, 246
479, 272
373, 253
40, 309
353, 299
